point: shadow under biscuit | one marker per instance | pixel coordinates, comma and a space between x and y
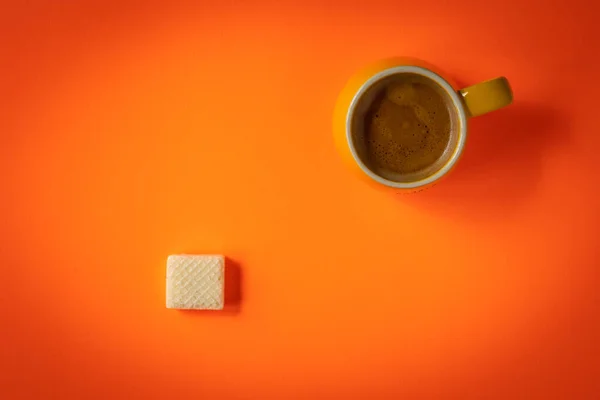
233, 286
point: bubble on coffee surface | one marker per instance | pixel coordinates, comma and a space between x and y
408, 127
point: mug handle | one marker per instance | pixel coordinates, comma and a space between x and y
486, 96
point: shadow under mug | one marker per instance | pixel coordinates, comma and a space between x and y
360, 92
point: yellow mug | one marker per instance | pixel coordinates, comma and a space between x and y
358, 94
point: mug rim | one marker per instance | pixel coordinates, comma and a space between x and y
456, 100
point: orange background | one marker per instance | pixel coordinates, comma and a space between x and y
130, 131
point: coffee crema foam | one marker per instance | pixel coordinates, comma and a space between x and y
407, 127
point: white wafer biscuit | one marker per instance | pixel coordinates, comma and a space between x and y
195, 282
